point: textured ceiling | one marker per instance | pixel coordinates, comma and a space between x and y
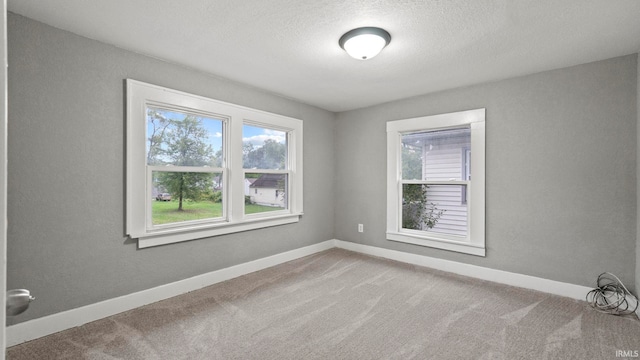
290, 47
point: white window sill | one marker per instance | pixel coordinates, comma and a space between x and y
174, 235
457, 246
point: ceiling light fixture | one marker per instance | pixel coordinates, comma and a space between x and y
364, 43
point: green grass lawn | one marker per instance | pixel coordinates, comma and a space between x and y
165, 212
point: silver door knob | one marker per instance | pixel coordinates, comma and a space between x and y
18, 301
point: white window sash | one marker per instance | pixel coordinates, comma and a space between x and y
427, 235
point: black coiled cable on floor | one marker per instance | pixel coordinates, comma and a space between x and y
612, 297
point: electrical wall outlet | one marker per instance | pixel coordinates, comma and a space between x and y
360, 228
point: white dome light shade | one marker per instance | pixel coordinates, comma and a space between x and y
364, 43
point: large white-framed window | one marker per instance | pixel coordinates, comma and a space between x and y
429, 161
199, 167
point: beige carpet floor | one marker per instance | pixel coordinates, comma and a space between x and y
343, 305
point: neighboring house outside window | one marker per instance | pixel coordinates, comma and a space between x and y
205, 155
431, 198
247, 186
442, 160
269, 191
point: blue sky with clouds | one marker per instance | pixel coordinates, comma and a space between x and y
250, 134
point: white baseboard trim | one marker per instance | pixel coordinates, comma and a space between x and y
573, 291
36, 328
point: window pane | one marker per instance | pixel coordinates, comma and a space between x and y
176, 138
185, 196
264, 148
434, 208
436, 155
265, 192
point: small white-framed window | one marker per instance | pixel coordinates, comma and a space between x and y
193, 161
431, 198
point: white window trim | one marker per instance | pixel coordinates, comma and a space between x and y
474, 243
139, 95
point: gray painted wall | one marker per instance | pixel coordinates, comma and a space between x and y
66, 238
637, 179
561, 172
560, 165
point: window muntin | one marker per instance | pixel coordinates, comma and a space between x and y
431, 199
210, 156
